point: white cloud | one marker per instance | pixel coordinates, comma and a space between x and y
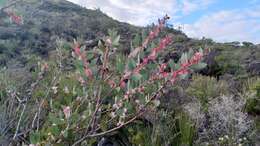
137, 12
189, 6
143, 12
230, 25
233, 25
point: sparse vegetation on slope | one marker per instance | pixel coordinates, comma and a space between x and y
72, 76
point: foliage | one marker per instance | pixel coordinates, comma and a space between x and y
252, 94
170, 128
206, 88
57, 102
236, 124
99, 98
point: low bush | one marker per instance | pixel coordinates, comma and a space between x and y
206, 88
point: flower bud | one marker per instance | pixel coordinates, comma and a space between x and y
67, 112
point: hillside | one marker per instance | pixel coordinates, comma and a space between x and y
45, 21
45, 41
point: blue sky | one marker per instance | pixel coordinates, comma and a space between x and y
221, 20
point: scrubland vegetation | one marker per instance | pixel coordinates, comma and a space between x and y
97, 81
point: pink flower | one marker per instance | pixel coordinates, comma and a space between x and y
126, 96
145, 61
67, 112
152, 56
45, 67
196, 58
140, 89
112, 83
122, 84
163, 67
186, 64
152, 35
15, 18
183, 71
88, 72
81, 80
164, 74
77, 49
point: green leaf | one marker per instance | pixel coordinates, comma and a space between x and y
90, 55
136, 41
35, 137
190, 53
144, 35
177, 66
201, 50
54, 120
129, 107
136, 77
171, 64
100, 44
151, 66
184, 58
118, 89
131, 64
198, 66
184, 76
120, 66
116, 41
55, 130
145, 74
153, 45
65, 134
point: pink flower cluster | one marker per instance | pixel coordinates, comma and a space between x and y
170, 76
185, 66
82, 56
162, 71
154, 33
152, 56
15, 18
67, 112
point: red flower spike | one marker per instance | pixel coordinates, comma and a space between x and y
184, 66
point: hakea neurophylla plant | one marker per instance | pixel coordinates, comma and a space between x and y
128, 88
116, 89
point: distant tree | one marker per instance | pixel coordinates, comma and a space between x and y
247, 44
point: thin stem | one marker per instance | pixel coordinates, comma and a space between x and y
140, 113
19, 122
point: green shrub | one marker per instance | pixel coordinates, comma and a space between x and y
206, 88
252, 91
107, 91
170, 128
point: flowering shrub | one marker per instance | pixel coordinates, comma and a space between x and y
111, 90
15, 18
